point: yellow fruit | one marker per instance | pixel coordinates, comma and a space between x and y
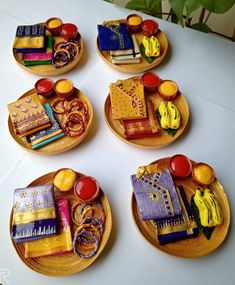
165, 117
174, 114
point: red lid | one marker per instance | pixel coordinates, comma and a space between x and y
150, 25
150, 79
86, 189
69, 31
180, 165
44, 85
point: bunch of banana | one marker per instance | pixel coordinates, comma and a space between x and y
152, 46
170, 115
208, 207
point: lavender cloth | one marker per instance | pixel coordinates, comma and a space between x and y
33, 198
156, 196
34, 213
178, 227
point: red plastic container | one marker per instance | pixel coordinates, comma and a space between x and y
86, 189
151, 81
69, 31
44, 87
180, 165
149, 27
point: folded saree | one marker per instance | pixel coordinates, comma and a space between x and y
47, 135
34, 213
156, 195
56, 244
127, 55
114, 37
40, 58
180, 227
141, 128
127, 99
28, 115
29, 38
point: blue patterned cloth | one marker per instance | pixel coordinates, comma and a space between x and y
114, 37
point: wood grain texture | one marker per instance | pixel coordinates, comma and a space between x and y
143, 65
163, 139
63, 144
192, 247
67, 263
50, 70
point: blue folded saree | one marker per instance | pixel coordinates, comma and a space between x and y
114, 37
179, 227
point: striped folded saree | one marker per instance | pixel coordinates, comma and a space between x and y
46, 135
29, 38
179, 227
56, 244
40, 58
34, 213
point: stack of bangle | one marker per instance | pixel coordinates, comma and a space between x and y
90, 219
64, 53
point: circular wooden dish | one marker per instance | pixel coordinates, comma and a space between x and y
67, 263
50, 70
143, 65
63, 144
163, 139
192, 247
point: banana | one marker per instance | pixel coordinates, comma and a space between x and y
155, 46
152, 46
165, 117
209, 208
204, 213
170, 115
175, 117
214, 207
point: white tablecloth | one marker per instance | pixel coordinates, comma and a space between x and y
204, 68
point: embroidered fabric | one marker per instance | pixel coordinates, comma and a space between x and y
114, 37
34, 213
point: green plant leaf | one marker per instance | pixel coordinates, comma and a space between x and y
191, 6
174, 18
217, 6
151, 7
149, 59
201, 27
178, 8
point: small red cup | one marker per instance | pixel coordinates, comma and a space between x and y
44, 87
86, 189
149, 27
151, 81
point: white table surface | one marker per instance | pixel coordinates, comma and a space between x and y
204, 68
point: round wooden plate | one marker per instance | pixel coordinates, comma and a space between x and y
63, 144
192, 247
67, 263
143, 65
50, 70
163, 139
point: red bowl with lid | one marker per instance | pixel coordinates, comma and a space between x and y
86, 189
149, 27
69, 31
180, 165
151, 81
44, 87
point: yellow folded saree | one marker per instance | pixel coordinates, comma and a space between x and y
57, 244
127, 99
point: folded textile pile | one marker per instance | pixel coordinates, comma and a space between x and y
40, 58
56, 244
47, 135
116, 39
28, 115
137, 114
35, 46
159, 200
34, 213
